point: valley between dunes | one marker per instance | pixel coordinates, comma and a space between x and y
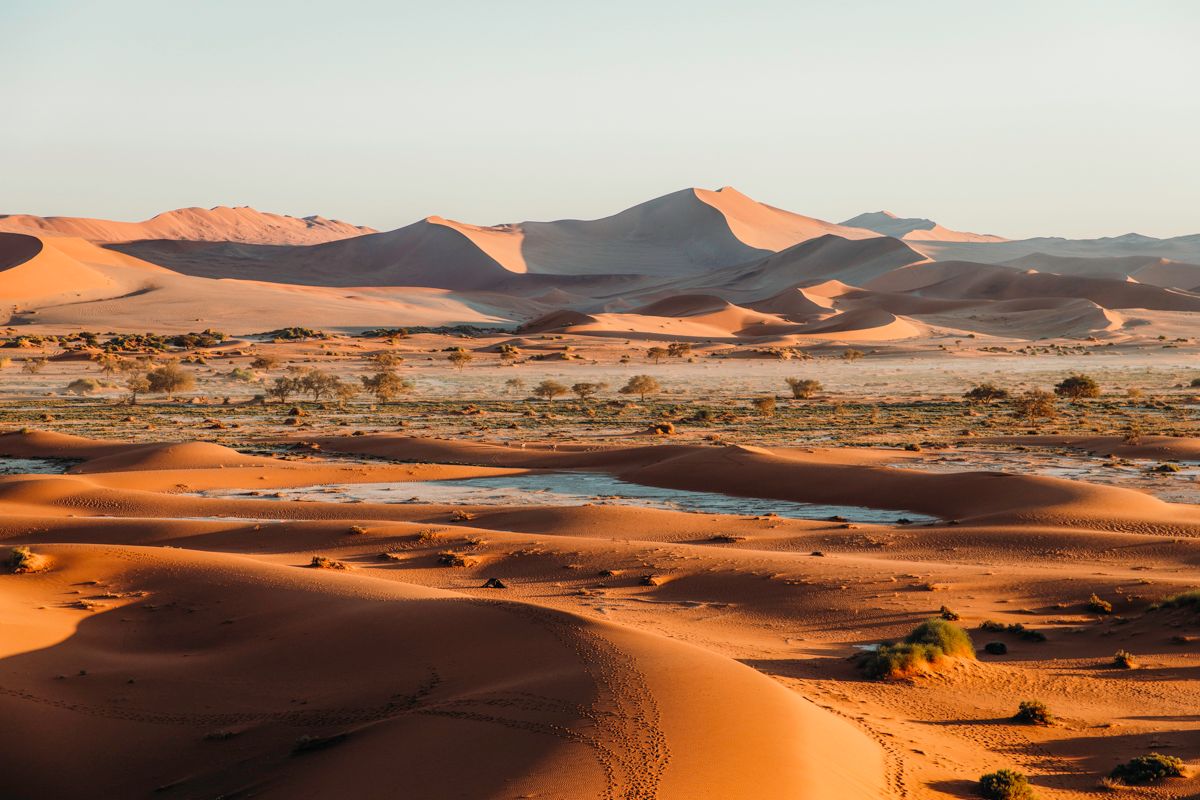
176, 641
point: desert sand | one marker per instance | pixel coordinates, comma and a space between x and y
519, 575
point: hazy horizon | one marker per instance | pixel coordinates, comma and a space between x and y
994, 120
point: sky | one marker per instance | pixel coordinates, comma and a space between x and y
1075, 118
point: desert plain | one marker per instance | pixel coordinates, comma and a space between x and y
640, 507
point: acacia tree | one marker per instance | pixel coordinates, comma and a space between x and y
586, 391
386, 386
460, 357
679, 349
318, 383
169, 379
641, 385
136, 383
283, 388
548, 390
514, 385
657, 354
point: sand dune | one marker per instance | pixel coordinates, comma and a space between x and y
965, 280
220, 224
66, 281
915, 229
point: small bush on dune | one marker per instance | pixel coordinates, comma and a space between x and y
1124, 660
1188, 599
22, 560
321, 562
929, 643
1098, 605
1005, 784
1033, 712
1148, 769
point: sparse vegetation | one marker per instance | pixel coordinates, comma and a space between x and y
460, 357
1035, 404
1077, 387
928, 644
21, 560
1033, 712
1151, 768
641, 385
804, 388
386, 385
170, 379
549, 389
321, 562
1005, 784
1125, 660
1098, 605
765, 406
985, 394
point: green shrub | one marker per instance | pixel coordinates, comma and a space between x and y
1033, 712
1005, 784
1188, 599
1148, 769
929, 643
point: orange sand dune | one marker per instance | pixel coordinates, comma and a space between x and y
1178, 448
220, 224
179, 647
65, 281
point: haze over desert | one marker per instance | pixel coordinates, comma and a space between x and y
628, 402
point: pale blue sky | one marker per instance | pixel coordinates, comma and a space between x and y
1071, 117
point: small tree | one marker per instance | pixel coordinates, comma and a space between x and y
283, 388
170, 379
1035, 404
548, 390
1077, 387
657, 354
852, 355
460, 357
344, 391
679, 349
764, 405
32, 366
386, 386
109, 363
804, 388
641, 385
586, 391
136, 383
985, 394
386, 359
318, 383
514, 385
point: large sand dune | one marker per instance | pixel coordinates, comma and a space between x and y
220, 224
630, 274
